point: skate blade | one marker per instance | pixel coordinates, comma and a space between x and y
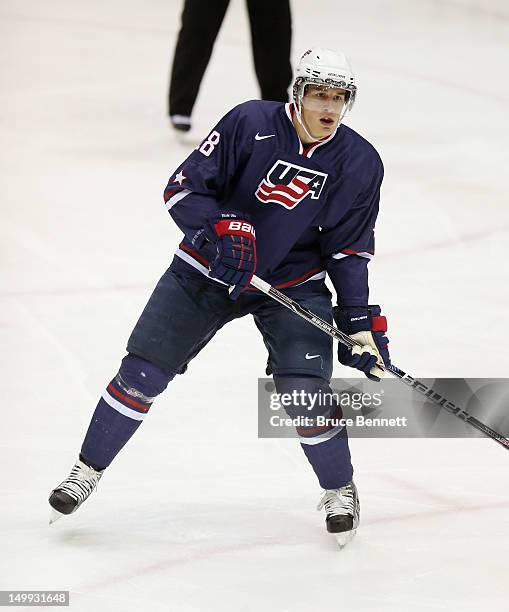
54, 516
345, 537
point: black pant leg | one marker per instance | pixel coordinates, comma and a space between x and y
201, 20
271, 35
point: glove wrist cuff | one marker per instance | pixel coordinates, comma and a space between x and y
353, 319
229, 223
234, 227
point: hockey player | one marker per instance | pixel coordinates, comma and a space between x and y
290, 192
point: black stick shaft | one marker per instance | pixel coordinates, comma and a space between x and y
415, 384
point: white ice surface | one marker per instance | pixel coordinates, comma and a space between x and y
197, 513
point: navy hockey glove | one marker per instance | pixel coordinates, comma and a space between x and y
235, 241
367, 326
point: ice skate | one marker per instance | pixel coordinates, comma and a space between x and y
342, 512
73, 491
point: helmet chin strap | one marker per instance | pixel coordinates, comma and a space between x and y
300, 119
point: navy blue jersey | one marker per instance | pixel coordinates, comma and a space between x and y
313, 208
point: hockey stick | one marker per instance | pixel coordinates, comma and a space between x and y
415, 384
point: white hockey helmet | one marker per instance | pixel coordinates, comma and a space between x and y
321, 66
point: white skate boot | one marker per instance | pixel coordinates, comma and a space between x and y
342, 512
74, 490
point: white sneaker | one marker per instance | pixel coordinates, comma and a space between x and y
342, 512
74, 490
181, 123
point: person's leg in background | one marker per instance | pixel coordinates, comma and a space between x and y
271, 36
201, 21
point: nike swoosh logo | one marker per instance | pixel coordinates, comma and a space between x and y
308, 356
258, 137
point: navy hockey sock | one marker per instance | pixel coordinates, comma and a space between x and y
331, 461
326, 448
121, 409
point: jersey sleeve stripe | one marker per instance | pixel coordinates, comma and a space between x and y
199, 262
314, 274
347, 252
195, 255
176, 198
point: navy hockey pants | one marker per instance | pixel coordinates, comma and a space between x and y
185, 312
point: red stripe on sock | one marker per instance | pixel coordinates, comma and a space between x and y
124, 398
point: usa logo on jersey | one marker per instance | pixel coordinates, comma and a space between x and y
288, 184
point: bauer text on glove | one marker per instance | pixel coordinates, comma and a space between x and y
366, 326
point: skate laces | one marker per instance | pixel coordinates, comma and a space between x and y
338, 501
81, 481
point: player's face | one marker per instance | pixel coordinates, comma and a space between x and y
322, 108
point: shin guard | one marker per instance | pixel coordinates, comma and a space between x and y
121, 409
